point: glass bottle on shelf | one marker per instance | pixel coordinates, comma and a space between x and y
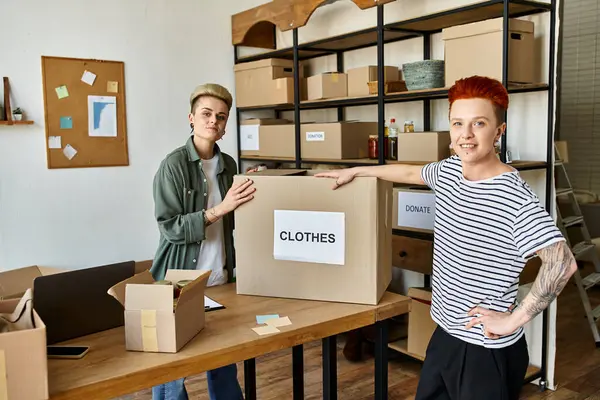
393, 141
409, 126
373, 148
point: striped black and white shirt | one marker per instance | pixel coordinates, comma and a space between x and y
484, 233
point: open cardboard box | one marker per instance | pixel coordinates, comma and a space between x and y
14, 283
153, 323
23, 359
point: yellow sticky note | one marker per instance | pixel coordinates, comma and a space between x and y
278, 322
265, 330
62, 92
149, 336
112, 87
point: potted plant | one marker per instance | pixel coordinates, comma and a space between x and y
17, 114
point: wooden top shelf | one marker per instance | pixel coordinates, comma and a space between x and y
254, 28
16, 122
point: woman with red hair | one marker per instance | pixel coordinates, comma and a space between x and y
488, 223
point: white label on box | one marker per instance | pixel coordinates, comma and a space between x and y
315, 136
416, 210
249, 137
309, 236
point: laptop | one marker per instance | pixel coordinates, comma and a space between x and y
76, 303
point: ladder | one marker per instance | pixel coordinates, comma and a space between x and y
584, 249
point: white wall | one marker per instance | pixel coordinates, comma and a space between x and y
75, 218
83, 217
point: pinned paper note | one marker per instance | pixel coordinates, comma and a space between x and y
279, 322
265, 330
88, 77
112, 87
69, 152
102, 116
54, 142
261, 319
62, 92
66, 123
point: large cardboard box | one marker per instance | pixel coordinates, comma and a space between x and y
414, 209
298, 238
485, 40
336, 140
266, 82
23, 359
327, 86
420, 324
423, 146
359, 78
153, 323
267, 138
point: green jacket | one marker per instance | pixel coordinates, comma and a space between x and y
180, 196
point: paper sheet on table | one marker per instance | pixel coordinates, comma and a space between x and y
102, 116
279, 322
210, 304
265, 330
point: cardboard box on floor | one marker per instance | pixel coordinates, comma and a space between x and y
359, 78
267, 137
414, 209
420, 324
336, 140
485, 39
152, 322
423, 146
298, 238
23, 359
267, 82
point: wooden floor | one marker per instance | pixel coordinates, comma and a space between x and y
577, 367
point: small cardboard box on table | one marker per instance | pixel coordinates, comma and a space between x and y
300, 239
23, 359
153, 323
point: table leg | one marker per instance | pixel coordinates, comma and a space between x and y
381, 360
329, 368
298, 371
250, 379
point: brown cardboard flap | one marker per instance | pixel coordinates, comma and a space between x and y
265, 121
118, 290
15, 282
420, 294
193, 288
143, 296
487, 26
275, 172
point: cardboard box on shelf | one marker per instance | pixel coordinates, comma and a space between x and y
23, 359
359, 78
423, 147
420, 324
327, 86
298, 238
266, 82
267, 138
153, 323
414, 209
485, 39
336, 140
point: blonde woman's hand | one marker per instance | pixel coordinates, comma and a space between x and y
239, 193
341, 176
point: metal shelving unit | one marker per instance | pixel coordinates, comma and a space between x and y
422, 27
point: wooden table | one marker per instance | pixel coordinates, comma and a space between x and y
109, 371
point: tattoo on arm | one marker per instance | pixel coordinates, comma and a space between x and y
555, 272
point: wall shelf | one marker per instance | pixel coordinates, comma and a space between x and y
16, 122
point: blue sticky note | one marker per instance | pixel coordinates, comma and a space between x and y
261, 319
66, 123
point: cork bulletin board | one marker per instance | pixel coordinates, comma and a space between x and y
84, 107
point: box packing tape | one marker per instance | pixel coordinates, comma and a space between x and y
3, 380
335, 78
149, 336
278, 83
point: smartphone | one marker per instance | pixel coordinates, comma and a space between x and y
68, 352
